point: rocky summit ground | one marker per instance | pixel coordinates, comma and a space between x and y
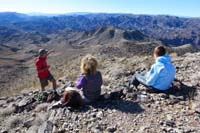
137, 112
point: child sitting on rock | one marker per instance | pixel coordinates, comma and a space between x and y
90, 80
88, 84
161, 74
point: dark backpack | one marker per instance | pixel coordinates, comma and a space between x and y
72, 98
53, 95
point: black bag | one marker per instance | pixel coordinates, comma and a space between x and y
53, 95
72, 98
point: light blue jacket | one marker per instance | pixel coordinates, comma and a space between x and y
161, 74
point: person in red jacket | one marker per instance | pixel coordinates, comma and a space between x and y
42, 68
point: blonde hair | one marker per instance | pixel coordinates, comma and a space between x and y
89, 64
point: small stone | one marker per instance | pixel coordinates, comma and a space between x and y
55, 129
99, 114
181, 98
33, 129
46, 126
3, 98
28, 123
2, 102
110, 111
76, 118
168, 129
127, 84
163, 95
96, 129
111, 129
90, 126
169, 117
4, 131
93, 115
170, 123
125, 91
148, 105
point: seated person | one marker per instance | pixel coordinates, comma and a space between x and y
90, 80
161, 74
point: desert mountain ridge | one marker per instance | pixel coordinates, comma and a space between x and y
171, 30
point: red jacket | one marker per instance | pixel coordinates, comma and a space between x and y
40, 64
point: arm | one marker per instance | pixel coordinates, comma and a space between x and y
51, 51
152, 76
81, 82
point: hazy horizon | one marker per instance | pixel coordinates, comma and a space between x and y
182, 8
84, 13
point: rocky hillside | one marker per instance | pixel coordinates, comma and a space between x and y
136, 111
19, 49
171, 30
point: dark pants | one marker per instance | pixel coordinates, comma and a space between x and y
44, 81
139, 78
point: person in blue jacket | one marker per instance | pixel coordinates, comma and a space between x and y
161, 74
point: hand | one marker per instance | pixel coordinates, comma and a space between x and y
51, 51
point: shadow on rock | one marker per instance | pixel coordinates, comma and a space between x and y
182, 89
125, 106
179, 91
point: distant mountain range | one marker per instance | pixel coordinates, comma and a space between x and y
171, 30
56, 14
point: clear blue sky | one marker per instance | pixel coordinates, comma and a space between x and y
188, 8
